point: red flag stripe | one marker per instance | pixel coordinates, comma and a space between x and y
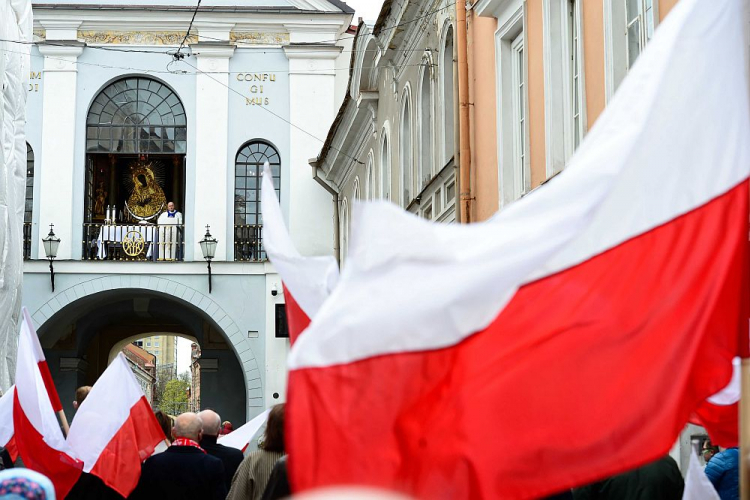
49, 384
37, 455
119, 464
296, 318
661, 328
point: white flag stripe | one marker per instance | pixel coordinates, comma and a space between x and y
627, 178
28, 327
697, 485
104, 411
240, 437
6, 416
731, 393
33, 397
309, 279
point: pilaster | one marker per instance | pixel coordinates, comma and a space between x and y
212, 129
312, 83
57, 165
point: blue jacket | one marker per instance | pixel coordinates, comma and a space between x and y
723, 470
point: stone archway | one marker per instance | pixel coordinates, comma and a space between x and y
170, 290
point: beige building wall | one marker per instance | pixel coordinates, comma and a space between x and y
483, 116
535, 82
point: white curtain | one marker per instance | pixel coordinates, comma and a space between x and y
15, 25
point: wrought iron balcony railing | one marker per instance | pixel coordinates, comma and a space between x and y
248, 243
134, 242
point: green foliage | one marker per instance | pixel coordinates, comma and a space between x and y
174, 399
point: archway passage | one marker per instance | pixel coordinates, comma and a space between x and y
136, 141
79, 339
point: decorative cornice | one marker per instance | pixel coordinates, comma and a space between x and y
251, 38
312, 51
70, 49
135, 37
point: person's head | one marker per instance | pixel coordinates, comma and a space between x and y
170, 206
81, 394
25, 483
165, 422
709, 450
226, 427
273, 439
188, 426
211, 423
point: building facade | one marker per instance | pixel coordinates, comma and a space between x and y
143, 365
126, 114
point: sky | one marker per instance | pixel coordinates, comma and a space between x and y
183, 355
367, 9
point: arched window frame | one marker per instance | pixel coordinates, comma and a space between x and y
426, 123
446, 92
344, 228
370, 176
248, 174
356, 191
385, 164
136, 115
406, 149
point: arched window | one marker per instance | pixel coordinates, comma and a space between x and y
385, 168
357, 195
425, 128
407, 165
447, 97
29, 208
136, 115
370, 188
248, 171
344, 228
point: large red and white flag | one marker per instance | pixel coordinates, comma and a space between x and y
115, 430
7, 433
27, 328
308, 281
39, 440
240, 438
570, 337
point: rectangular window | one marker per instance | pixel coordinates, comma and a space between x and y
576, 91
518, 89
639, 19
282, 330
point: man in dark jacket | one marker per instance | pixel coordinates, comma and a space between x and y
185, 471
231, 457
723, 470
660, 480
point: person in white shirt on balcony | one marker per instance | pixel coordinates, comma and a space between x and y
170, 223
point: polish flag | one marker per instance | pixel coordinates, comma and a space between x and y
569, 338
115, 430
240, 438
39, 440
308, 281
719, 414
38, 353
7, 438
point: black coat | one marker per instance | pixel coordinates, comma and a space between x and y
230, 457
181, 473
659, 480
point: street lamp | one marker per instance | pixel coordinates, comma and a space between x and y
208, 247
51, 243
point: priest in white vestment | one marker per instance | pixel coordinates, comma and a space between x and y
170, 225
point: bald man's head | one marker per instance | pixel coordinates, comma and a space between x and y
188, 425
211, 422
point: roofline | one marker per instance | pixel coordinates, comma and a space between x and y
344, 9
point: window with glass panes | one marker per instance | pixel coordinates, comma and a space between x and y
519, 114
28, 211
247, 180
136, 115
574, 47
639, 18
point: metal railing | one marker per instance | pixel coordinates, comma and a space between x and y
248, 243
134, 242
26, 240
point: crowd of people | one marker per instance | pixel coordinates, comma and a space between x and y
196, 466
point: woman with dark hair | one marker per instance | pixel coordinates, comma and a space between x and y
251, 477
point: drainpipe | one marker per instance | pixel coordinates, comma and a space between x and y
335, 194
464, 137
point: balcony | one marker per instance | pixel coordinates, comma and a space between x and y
134, 242
248, 243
